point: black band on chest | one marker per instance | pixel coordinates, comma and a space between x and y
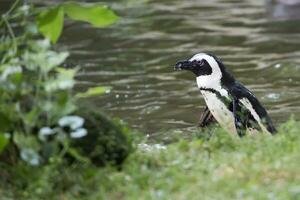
226, 101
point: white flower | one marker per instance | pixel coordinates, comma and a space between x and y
74, 122
30, 156
81, 132
46, 131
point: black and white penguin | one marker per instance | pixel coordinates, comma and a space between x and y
232, 105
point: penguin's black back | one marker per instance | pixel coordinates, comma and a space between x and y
239, 91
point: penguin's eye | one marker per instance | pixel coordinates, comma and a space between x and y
200, 63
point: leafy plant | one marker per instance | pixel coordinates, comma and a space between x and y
51, 20
37, 101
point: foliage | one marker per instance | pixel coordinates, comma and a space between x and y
107, 142
35, 94
38, 105
94, 91
219, 167
98, 16
4, 139
51, 20
50, 23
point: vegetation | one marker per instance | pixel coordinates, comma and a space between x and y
260, 167
39, 115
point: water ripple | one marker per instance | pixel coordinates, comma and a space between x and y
136, 57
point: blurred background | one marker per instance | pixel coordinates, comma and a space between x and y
259, 42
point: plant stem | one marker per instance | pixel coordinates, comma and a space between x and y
9, 11
11, 33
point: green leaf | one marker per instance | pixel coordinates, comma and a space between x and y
98, 16
26, 141
75, 154
63, 81
42, 58
94, 91
50, 23
3, 141
5, 123
30, 118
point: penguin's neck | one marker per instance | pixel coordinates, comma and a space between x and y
207, 83
218, 82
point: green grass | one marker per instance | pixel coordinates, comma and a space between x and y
221, 167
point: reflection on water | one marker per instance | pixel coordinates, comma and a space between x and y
136, 57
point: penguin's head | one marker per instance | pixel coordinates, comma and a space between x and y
201, 64
208, 68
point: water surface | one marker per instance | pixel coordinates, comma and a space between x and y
136, 57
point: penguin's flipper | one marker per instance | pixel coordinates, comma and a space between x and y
239, 91
206, 118
239, 125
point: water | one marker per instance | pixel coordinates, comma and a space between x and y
136, 57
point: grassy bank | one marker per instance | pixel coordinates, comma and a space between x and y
260, 167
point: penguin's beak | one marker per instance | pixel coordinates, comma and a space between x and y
183, 65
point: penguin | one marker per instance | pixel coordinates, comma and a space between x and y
228, 102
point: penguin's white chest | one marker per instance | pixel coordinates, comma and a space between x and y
220, 111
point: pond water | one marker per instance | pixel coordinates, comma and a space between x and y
136, 57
